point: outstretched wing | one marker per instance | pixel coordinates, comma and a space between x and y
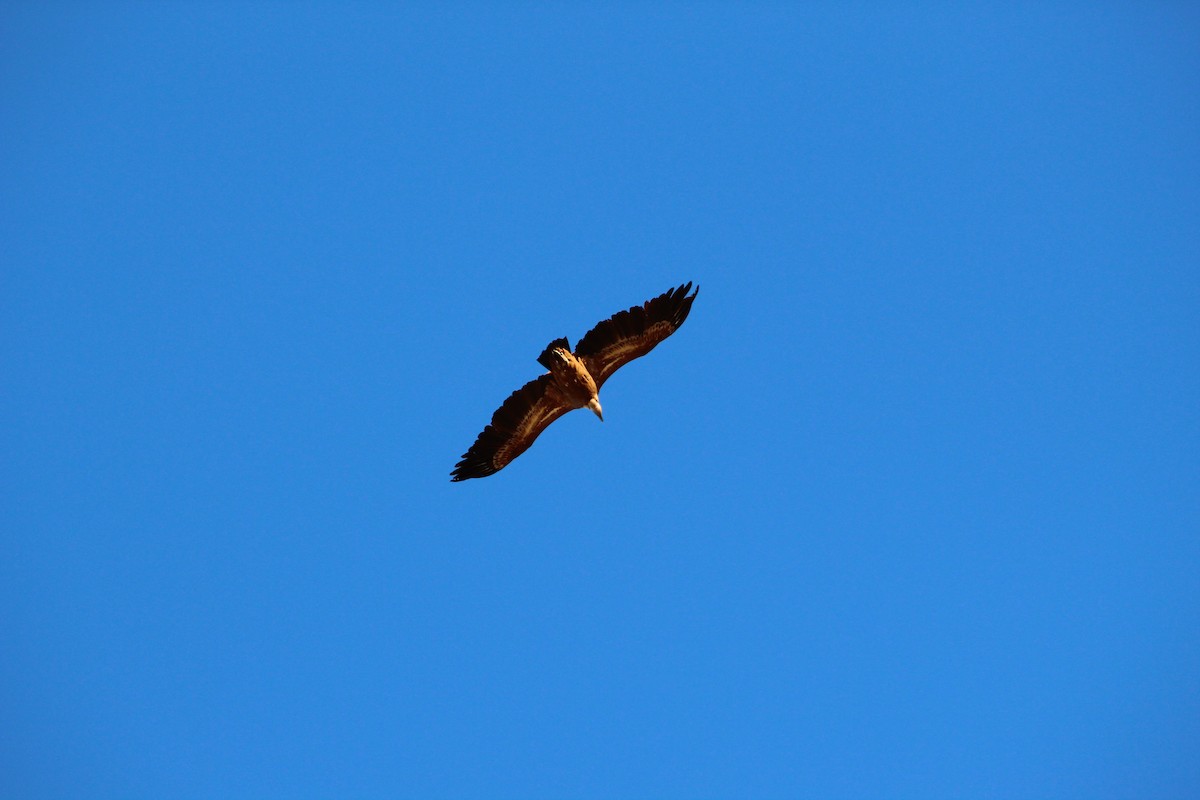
631, 334
515, 425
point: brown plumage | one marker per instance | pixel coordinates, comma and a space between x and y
573, 380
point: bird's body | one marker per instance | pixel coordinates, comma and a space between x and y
573, 380
571, 384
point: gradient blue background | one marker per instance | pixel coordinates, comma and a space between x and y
909, 508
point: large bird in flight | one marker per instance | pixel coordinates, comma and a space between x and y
574, 379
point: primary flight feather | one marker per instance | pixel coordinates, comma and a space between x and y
573, 380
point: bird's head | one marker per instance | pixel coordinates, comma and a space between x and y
594, 405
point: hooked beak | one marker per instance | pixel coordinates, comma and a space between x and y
594, 405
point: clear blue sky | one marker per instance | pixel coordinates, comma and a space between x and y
909, 508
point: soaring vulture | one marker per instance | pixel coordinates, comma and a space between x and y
574, 379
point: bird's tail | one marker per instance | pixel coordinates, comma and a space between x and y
545, 358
